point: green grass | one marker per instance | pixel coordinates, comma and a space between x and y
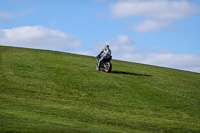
47, 91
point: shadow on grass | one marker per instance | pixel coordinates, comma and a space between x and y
128, 73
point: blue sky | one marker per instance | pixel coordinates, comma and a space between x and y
156, 32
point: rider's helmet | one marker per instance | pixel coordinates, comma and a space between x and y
106, 47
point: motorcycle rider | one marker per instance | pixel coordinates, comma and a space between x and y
104, 54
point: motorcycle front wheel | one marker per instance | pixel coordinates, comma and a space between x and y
107, 67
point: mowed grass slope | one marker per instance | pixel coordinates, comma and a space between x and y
47, 91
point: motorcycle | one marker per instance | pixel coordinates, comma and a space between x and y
105, 65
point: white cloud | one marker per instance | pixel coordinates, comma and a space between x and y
160, 9
156, 14
171, 60
38, 37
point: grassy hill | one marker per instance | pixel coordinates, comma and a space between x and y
47, 91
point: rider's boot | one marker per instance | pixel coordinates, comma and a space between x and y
98, 67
